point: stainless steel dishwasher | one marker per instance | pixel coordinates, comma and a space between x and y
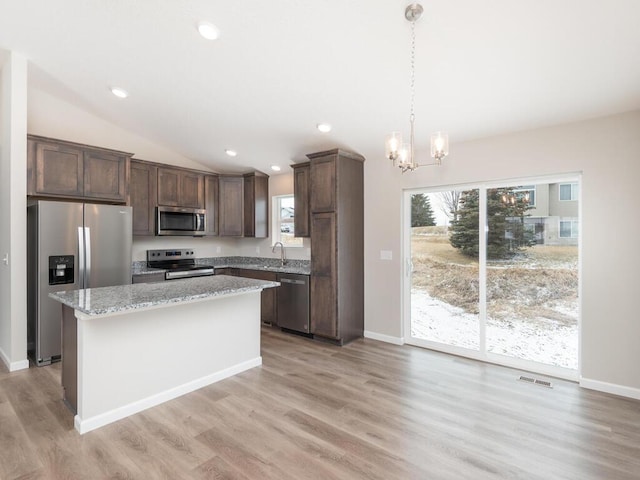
293, 302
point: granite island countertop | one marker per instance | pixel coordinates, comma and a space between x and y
111, 300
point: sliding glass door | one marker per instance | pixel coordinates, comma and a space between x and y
444, 281
492, 273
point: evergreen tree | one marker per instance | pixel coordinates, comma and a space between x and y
507, 233
421, 212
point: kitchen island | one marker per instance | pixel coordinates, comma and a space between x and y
130, 347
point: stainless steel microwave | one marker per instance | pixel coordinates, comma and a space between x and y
180, 221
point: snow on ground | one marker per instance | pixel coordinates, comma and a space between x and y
545, 340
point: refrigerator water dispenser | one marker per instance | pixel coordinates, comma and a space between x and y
60, 269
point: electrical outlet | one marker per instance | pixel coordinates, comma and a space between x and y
5, 259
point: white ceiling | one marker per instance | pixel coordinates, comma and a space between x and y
282, 66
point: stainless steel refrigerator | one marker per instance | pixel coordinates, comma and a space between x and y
71, 246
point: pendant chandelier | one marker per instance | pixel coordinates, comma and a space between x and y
403, 154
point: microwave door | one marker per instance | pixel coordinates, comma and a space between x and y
176, 221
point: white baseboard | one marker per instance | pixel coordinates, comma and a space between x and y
88, 424
13, 366
384, 338
613, 388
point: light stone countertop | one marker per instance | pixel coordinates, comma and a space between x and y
300, 267
109, 300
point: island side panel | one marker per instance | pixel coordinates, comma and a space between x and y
70, 358
129, 362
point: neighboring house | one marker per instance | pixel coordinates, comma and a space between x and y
554, 216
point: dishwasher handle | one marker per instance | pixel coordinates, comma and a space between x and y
292, 280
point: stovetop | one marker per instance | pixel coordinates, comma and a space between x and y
175, 260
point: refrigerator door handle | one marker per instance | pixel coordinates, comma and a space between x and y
80, 270
87, 251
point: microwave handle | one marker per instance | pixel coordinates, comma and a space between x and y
198, 220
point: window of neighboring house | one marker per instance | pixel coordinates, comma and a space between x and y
524, 190
568, 229
568, 191
283, 207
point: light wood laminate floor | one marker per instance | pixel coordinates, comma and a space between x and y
367, 410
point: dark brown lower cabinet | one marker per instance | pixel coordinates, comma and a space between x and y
324, 308
268, 298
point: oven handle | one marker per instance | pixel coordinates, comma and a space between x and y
189, 273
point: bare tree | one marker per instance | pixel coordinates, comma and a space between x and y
450, 204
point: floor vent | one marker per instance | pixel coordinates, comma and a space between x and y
535, 381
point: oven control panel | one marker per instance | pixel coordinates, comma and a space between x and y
162, 255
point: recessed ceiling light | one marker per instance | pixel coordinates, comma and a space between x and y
231, 153
119, 92
275, 168
324, 127
208, 30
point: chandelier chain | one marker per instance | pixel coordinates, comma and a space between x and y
413, 67
411, 164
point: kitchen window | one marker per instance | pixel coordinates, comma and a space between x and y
283, 225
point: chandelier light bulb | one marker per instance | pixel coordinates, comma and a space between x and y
404, 155
439, 146
392, 145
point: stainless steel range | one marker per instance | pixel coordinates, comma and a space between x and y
178, 263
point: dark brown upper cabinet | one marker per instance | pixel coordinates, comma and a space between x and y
301, 198
230, 210
337, 245
143, 195
211, 203
323, 184
256, 205
57, 168
180, 188
243, 207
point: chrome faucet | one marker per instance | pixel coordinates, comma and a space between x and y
283, 259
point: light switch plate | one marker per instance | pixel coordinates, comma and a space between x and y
386, 255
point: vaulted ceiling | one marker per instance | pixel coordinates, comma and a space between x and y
280, 67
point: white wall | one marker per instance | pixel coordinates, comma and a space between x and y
607, 152
52, 117
13, 208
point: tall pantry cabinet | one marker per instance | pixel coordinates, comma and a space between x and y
337, 245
